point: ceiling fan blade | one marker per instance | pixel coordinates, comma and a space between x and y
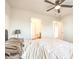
61, 1
67, 6
57, 2
50, 9
58, 10
49, 2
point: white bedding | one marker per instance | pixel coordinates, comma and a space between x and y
59, 48
35, 51
54, 49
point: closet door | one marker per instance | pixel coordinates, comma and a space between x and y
58, 30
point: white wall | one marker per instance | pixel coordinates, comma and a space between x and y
68, 27
21, 19
7, 16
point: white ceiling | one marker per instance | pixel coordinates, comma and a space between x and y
40, 6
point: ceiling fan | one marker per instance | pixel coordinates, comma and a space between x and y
57, 5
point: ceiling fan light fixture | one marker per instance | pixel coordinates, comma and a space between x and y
57, 7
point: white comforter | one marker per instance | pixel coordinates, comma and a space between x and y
35, 51
48, 49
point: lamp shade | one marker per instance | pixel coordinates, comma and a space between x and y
17, 31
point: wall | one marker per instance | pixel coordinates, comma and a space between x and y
68, 27
21, 19
7, 16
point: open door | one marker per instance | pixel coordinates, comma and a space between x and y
36, 28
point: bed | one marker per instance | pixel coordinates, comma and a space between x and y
49, 48
46, 48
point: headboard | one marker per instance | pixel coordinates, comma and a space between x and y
6, 34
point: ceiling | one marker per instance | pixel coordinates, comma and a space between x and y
39, 6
